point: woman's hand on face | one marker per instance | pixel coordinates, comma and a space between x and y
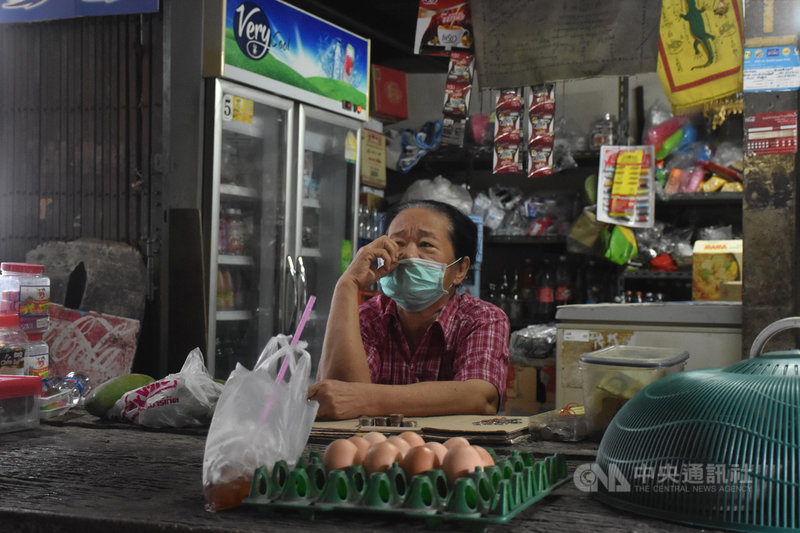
364, 270
338, 400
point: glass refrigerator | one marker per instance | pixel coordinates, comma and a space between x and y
281, 175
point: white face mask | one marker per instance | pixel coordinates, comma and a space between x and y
416, 283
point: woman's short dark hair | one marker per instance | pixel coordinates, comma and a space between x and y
463, 231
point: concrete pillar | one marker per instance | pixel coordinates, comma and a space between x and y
769, 217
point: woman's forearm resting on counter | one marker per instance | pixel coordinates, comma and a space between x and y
343, 400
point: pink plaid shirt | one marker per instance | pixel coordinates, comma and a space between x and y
469, 340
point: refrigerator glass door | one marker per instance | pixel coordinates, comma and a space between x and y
327, 192
249, 199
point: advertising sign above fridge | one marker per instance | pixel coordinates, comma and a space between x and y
274, 46
35, 10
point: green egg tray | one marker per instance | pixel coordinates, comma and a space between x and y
494, 494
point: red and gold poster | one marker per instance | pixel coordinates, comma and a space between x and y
700, 50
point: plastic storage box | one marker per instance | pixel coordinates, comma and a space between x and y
19, 402
612, 376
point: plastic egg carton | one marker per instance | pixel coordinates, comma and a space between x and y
494, 494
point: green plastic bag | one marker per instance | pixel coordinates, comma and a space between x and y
620, 244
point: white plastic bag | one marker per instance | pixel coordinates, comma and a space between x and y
184, 399
259, 420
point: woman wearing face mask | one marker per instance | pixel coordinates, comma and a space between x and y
419, 348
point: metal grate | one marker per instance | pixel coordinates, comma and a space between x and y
75, 118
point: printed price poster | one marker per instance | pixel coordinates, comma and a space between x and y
771, 68
625, 190
771, 133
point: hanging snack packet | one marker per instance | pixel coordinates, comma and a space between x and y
509, 100
456, 99
507, 129
506, 159
462, 66
540, 160
541, 112
441, 26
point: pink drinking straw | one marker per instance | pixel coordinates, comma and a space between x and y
297, 333
309, 305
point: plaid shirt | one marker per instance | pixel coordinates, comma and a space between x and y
469, 340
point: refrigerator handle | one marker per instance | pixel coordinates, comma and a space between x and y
302, 287
291, 301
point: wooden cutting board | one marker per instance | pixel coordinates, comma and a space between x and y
476, 428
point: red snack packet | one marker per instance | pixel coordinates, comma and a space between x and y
509, 100
541, 124
462, 65
540, 162
542, 97
506, 159
456, 99
507, 128
442, 25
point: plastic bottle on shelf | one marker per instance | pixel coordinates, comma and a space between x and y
503, 292
604, 131
34, 295
13, 341
222, 240
78, 385
236, 237
527, 290
563, 295
545, 293
224, 290
37, 356
515, 303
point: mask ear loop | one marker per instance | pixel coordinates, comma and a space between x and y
448, 266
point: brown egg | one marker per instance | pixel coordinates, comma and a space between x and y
486, 457
440, 451
413, 438
374, 437
400, 443
459, 462
418, 459
363, 446
455, 441
380, 457
339, 454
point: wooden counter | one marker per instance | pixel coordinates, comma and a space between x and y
84, 475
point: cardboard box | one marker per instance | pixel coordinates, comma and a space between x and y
530, 390
373, 159
389, 94
730, 291
715, 262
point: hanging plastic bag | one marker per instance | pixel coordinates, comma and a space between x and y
260, 419
584, 235
620, 244
184, 399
